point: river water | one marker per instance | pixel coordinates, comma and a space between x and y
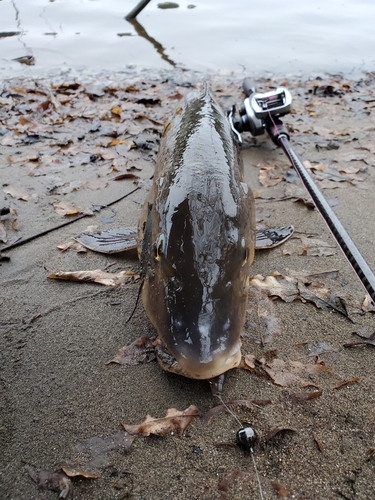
257, 37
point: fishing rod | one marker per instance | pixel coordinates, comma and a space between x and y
261, 112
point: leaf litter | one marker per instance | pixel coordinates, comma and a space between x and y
52, 480
268, 320
174, 421
365, 340
140, 351
304, 288
68, 96
97, 276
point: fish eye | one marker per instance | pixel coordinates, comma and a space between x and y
158, 247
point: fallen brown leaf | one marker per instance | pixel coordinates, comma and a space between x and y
115, 142
229, 480
315, 247
318, 442
97, 276
267, 316
288, 373
247, 362
95, 184
20, 194
281, 491
300, 397
174, 421
98, 446
125, 176
303, 288
140, 351
72, 471
368, 304
353, 380
72, 245
216, 410
113, 241
65, 208
277, 430
73, 186
3, 233
51, 480
116, 110
270, 175
366, 340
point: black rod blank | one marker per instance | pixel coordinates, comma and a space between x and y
137, 9
344, 241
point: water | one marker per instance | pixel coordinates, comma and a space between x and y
257, 37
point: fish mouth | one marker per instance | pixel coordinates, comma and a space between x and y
195, 368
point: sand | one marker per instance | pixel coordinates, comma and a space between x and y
56, 336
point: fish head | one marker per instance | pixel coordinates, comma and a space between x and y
195, 291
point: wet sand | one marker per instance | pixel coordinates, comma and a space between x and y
56, 336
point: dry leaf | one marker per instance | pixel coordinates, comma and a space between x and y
73, 186
368, 304
96, 184
116, 110
20, 194
72, 471
140, 351
115, 142
174, 421
97, 276
281, 491
270, 175
228, 481
300, 397
113, 241
268, 317
52, 480
277, 430
3, 233
353, 380
72, 245
63, 207
288, 373
125, 176
319, 444
96, 446
216, 410
366, 340
247, 362
315, 247
303, 288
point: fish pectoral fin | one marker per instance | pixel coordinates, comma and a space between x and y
114, 241
272, 237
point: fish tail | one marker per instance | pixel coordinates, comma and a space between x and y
206, 88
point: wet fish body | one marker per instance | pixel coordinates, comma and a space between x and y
197, 231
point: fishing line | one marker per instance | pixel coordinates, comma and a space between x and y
248, 440
344, 242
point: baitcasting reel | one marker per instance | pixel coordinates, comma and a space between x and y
258, 108
261, 113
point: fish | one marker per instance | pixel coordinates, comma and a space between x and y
197, 241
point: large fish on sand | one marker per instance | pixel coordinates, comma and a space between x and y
197, 232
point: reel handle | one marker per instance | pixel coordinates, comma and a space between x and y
249, 87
